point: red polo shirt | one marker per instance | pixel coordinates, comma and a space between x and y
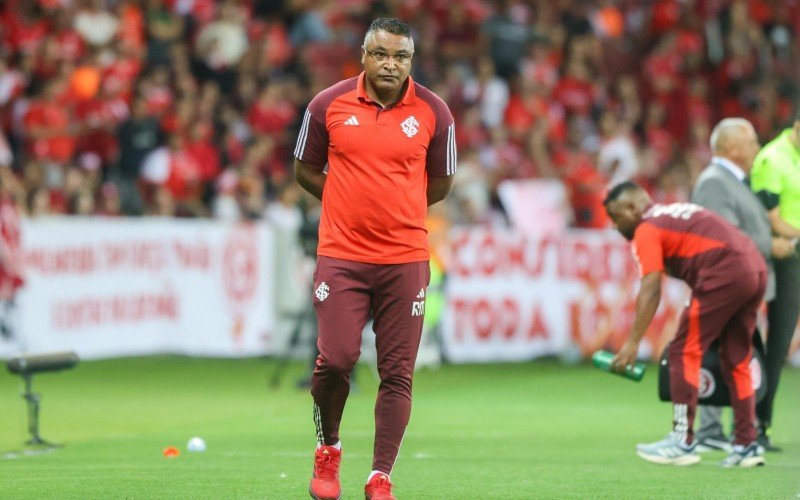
379, 160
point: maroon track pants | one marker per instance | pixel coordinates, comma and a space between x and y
727, 312
346, 294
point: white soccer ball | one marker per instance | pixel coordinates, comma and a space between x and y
196, 444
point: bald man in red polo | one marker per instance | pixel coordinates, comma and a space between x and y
389, 147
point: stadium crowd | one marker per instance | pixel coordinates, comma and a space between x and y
192, 107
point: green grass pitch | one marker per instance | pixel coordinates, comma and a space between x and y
529, 430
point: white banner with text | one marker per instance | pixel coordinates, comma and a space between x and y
127, 287
124, 287
514, 297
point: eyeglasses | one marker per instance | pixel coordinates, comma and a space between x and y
381, 56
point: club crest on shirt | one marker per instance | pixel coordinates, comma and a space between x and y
410, 126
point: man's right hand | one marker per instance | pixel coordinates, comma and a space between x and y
782, 247
626, 356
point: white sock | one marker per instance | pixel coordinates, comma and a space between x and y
338, 445
375, 472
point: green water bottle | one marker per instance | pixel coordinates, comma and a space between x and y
602, 360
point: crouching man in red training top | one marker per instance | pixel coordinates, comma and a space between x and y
728, 277
389, 146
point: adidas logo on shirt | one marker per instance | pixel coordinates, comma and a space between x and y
421, 294
351, 121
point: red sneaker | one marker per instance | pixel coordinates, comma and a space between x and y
325, 481
379, 488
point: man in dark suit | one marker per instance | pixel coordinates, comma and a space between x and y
723, 188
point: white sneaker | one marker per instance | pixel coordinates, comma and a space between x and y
669, 451
751, 455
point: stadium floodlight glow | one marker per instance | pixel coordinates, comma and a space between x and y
26, 366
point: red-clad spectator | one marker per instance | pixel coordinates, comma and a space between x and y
24, 31
586, 186
664, 15
51, 134
157, 92
275, 47
100, 119
459, 34
663, 67
576, 91
181, 118
698, 103
233, 147
271, 113
203, 150
470, 133
760, 11
540, 65
204, 11
119, 76
174, 169
184, 175
534, 108
265, 156
69, 43
525, 107
657, 137
691, 45
587, 189
131, 33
